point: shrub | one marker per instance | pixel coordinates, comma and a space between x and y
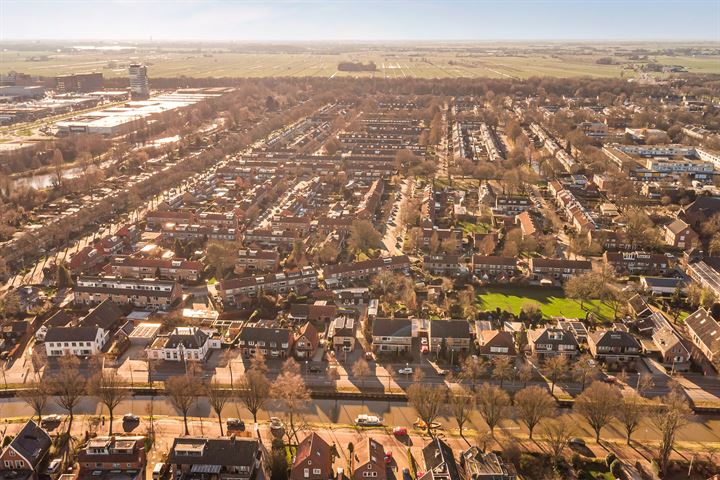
616, 468
576, 461
610, 458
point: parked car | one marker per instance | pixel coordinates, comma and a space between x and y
368, 420
388, 458
405, 371
369, 356
235, 424
130, 418
315, 369
54, 466
442, 372
578, 442
400, 431
50, 419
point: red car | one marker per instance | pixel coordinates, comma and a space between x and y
400, 431
388, 457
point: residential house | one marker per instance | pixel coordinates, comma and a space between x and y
490, 266
638, 263
639, 307
74, 340
171, 269
184, 344
680, 235
321, 311
440, 463
272, 340
392, 335
123, 455
369, 461
662, 285
144, 293
704, 333
530, 225
613, 346
364, 270
496, 343
484, 243
511, 205
478, 465
343, 331
25, 452
199, 458
313, 459
673, 353
306, 341
234, 290
455, 334
548, 342
557, 268
448, 265
257, 260
107, 315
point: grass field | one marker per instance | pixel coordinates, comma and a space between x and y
552, 302
391, 63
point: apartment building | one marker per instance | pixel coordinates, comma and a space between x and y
557, 268
257, 260
364, 270
143, 293
638, 263
179, 269
78, 341
233, 290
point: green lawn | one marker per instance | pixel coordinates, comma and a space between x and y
553, 302
468, 227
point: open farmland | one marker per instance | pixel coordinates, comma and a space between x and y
391, 63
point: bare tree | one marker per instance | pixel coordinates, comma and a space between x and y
182, 390
461, 405
598, 404
630, 413
493, 404
532, 404
68, 386
472, 369
645, 383
217, 397
525, 373
363, 236
254, 391
427, 400
583, 369
289, 388
503, 368
669, 417
555, 368
557, 433
36, 396
108, 388
361, 369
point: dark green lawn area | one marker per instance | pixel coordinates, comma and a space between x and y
552, 302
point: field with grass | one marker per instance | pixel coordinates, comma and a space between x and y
552, 302
391, 63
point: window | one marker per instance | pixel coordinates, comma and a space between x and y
19, 464
306, 472
316, 471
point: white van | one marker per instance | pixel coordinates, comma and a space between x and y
158, 471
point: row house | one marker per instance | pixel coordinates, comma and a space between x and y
113, 455
392, 335
679, 234
321, 311
704, 332
549, 342
86, 260
455, 334
491, 266
449, 265
285, 282
365, 269
223, 220
271, 340
218, 458
674, 355
172, 269
184, 344
298, 225
75, 340
496, 343
610, 240
431, 235
156, 219
203, 233
144, 293
259, 260
340, 225
270, 237
511, 205
613, 346
530, 225
343, 331
557, 268
638, 262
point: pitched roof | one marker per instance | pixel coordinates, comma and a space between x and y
613, 338
223, 451
706, 328
104, 315
267, 334
552, 336
32, 443
313, 447
439, 461
71, 334
189, 337
450, 328
392, 327
677, 226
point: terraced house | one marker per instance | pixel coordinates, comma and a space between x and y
144, 293
172, 269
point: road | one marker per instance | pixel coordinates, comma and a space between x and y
393, 231
705, 429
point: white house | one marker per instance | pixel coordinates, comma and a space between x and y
184, 343
80, 341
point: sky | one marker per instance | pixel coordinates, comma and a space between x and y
363, 20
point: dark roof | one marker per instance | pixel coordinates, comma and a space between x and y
439, 461
450, 328
193, 339
226, 451
613, 338
58, 319
32, 443
392, 327
558, 337
493, 260
105, 315
317, 449
706, 328
268, 334
71, 334
560, 263
662, 282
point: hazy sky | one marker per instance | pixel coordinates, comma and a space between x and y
360, 19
